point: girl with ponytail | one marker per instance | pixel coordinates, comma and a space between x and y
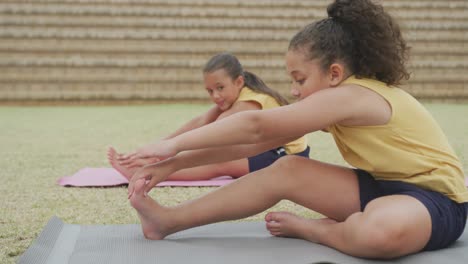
403, 191
233, 90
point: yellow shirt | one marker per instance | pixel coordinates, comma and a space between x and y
266, 101
411, 147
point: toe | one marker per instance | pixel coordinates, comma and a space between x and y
274, 230
276, 233
276, 216
272, 225
268, 217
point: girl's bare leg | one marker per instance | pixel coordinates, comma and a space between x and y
390, 226
235, 168
304, 181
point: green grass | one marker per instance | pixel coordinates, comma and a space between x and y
40, 144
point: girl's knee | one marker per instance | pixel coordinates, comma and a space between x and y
287, 163
380, 237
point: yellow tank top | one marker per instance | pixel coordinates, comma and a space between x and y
411, 147
267, 102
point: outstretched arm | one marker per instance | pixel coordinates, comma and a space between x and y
131, 159
194, 158
313, 113
158, 172
316, 112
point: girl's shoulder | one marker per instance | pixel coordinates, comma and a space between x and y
346, 104
240, 106
366, 106
264, 100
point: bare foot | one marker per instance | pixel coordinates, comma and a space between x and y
152, 215
127, 170
112, 157
286, 224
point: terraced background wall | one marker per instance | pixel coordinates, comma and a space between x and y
155, 49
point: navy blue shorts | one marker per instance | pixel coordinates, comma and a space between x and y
265, 159
448, 217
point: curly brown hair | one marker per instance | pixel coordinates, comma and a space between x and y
360, 34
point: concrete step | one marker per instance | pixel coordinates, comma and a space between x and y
96, 21
260, 3
106, 46
158, 91
203, 48
154, 22
457, 11
100, 91
195, 34
439, 91
185, 75
185, 60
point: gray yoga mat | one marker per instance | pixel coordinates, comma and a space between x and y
245, 242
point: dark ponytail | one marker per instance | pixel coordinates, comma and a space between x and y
255, 83
360, 34
233, 68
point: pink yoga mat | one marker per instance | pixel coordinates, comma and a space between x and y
94, 177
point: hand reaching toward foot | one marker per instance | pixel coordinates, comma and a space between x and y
152, 174
160, 150
127, 170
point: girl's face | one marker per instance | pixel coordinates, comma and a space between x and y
223, 90
307, 76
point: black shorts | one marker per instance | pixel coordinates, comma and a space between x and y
448, 217
265, 159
